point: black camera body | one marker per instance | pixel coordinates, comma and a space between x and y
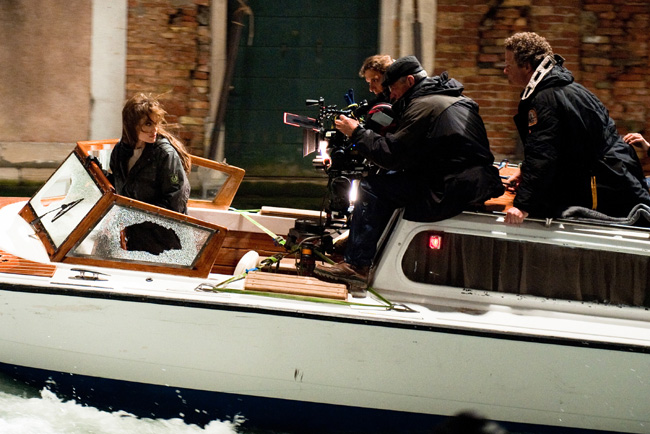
337, 156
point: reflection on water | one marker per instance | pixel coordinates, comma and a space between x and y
24, 410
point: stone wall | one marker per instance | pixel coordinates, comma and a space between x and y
44, 85
604, 42
168, 54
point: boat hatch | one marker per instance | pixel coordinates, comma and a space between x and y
561, 271
81, 220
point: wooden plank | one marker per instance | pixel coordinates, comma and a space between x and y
12, 264
290, 212
294, 285
237, 244
250, 241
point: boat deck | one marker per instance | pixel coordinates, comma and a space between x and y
14, 265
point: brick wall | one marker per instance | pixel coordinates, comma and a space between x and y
168, 53
604, 42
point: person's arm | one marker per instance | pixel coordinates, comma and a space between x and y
377, 148
389, 151
540, 159
173, 194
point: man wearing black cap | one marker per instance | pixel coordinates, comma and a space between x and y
439, 164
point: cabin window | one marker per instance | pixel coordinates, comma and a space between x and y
519, 267
134, 235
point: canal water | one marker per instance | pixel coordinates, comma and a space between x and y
24, 410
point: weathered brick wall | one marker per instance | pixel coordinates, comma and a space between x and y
614, 59
604, 42
168, 53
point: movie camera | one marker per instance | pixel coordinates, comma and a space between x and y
340, 160
337, 155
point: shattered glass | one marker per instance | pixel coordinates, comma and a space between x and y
133, 235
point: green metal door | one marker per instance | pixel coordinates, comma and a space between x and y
300, 49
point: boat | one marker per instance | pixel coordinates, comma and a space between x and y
541, 327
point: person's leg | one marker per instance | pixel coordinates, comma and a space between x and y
378, 197
375, 204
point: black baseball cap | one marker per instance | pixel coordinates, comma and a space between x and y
407, 65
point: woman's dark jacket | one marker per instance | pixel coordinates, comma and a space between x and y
569, 142
441, 143
157, 177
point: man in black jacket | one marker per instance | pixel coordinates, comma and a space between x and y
573, 154
438, 164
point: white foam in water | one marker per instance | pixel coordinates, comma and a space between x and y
48, 414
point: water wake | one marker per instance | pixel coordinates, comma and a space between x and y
47, 414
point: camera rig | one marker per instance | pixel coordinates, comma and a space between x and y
338, 157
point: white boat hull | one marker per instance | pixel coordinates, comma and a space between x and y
358, 358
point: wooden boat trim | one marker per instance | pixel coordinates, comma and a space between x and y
12, 264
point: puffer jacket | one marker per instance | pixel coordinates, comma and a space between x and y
440, 142
157, 178
573, 154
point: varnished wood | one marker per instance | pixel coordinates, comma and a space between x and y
12, 264
294, 285
9, 200
237, 243
226, 193
291, 212
95, 145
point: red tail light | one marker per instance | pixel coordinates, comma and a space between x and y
435, 242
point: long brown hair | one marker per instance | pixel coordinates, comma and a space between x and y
140, 107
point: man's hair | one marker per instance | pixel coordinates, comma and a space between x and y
528, 48
378, 62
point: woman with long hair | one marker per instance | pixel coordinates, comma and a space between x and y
149, 163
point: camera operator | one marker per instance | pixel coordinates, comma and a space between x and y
439, 164
373, 70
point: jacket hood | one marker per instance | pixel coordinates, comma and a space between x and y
438, 85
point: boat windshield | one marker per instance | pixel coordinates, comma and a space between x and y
81, 220
65, 200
